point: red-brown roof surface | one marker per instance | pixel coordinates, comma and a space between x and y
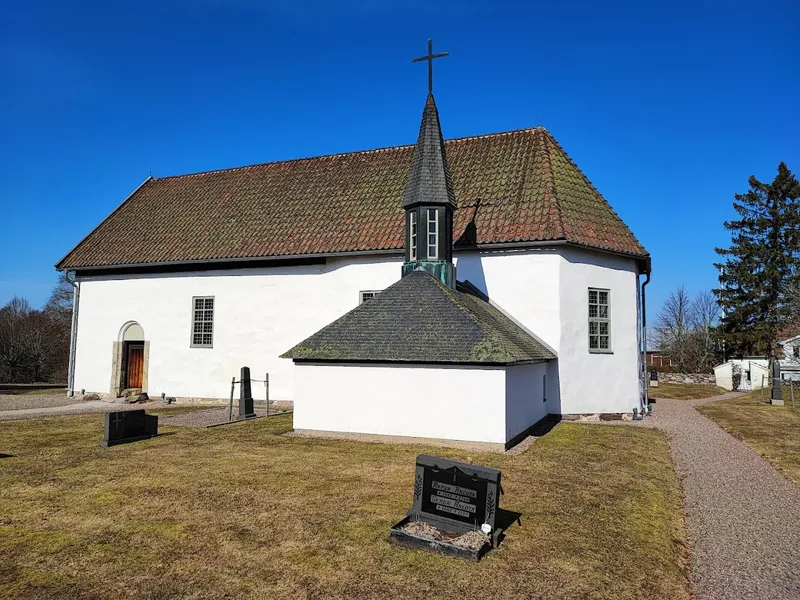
519, 186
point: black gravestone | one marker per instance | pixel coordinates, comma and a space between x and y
777, 392
128, 426
455, 498
246, 408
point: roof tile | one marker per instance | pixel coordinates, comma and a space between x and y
517, 186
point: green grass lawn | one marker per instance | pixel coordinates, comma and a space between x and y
772, 431
243, 511
685, 391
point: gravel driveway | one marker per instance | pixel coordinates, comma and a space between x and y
743, 517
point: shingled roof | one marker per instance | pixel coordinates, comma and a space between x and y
515, 187
429, 178
420, 320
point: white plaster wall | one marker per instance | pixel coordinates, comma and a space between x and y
592, 383
523, 283
457, 403
259, 314
723, 374
759, 375
527, 389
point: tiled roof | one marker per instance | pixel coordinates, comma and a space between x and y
517, 186
420, 320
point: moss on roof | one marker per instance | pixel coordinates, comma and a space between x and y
420, 320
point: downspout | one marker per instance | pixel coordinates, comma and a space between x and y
76, 297
647, 408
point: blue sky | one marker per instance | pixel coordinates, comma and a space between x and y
667, 108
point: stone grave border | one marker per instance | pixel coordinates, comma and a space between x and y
488, 476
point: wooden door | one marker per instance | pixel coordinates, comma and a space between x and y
135, 365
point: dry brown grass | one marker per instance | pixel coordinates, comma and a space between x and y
685, 391
772, 431
242, 511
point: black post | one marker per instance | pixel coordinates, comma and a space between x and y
246, 409
777, 392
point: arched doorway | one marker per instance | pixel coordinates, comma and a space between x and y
130, 359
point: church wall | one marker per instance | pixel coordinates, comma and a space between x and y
259, 314
438, 402
527, 391
597, 383
523, 283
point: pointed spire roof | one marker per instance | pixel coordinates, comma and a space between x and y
428, 179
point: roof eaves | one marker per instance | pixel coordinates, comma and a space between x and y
113, 212
597, 193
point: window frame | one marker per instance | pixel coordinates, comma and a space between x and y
413, 236
193, 322
434, 233
361, 293
599, 320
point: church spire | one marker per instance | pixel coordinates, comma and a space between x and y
429, 178
428, 198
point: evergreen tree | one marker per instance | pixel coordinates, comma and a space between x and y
761, 265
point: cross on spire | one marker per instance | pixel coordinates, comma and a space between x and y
430, 58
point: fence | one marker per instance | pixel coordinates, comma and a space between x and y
234, 383
789, 387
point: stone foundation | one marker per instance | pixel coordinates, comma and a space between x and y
704, 378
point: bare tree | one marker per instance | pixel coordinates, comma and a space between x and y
685, 329
704, 317
34, 344
674, 326
12, 344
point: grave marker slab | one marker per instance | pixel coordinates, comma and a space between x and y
456, 498
128, 426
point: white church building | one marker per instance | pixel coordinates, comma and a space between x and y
512, 289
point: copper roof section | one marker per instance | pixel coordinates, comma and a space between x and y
514, 187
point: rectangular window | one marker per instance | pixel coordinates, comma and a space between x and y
203, 322
796, 352
433, 233
413, 236
365, 295
599, 320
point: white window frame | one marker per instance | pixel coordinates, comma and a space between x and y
202, 321
598, 321
434, 233
413, 236
365, 295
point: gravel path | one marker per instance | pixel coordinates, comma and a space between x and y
742, 516
212, 417
21, 401
74, 407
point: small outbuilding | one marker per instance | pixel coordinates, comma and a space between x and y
423, 360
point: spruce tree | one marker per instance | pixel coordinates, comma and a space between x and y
761, 265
